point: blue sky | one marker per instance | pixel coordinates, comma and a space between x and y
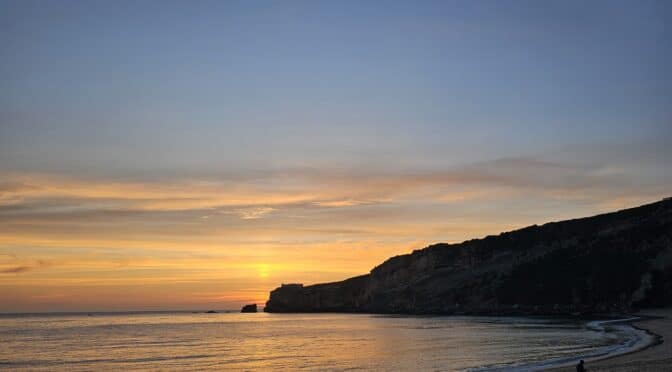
351, 82
387, 125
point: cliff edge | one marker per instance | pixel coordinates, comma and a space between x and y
614, 262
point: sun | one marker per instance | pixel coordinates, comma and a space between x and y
264, 270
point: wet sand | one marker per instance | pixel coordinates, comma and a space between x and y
654, 358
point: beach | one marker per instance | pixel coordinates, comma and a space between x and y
657, 357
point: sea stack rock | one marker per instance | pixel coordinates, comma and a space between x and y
251, 308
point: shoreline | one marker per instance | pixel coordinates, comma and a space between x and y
652, 356
639, 339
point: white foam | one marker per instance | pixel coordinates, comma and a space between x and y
633, 339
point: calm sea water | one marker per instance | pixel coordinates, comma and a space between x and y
233, 341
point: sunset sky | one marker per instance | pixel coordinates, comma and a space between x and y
196, 154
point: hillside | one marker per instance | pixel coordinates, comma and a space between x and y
614, 262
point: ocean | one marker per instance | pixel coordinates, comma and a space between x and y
235, 341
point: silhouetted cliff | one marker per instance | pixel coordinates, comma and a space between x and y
610, 262
251, 308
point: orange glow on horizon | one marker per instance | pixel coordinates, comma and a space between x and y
87, 244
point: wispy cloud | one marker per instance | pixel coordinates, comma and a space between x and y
23, 268
253, 213
341, 203
261, 196
16, 270
115, 233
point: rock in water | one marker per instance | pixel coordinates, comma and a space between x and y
251, 308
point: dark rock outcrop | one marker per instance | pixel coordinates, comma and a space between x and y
612, 262
251, 308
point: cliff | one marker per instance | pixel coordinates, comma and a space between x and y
607, 263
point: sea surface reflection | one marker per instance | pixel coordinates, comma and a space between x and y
187, 341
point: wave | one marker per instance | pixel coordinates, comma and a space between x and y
632, 339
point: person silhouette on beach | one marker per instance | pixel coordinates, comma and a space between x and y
580, 367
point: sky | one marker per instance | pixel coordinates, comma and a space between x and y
197, 154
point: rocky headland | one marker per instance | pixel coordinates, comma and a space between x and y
610, 263
251, 308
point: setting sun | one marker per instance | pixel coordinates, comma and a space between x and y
264, 270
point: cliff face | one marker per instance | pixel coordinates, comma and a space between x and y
609, 262
345, 296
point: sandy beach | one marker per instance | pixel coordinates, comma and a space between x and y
654, 358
